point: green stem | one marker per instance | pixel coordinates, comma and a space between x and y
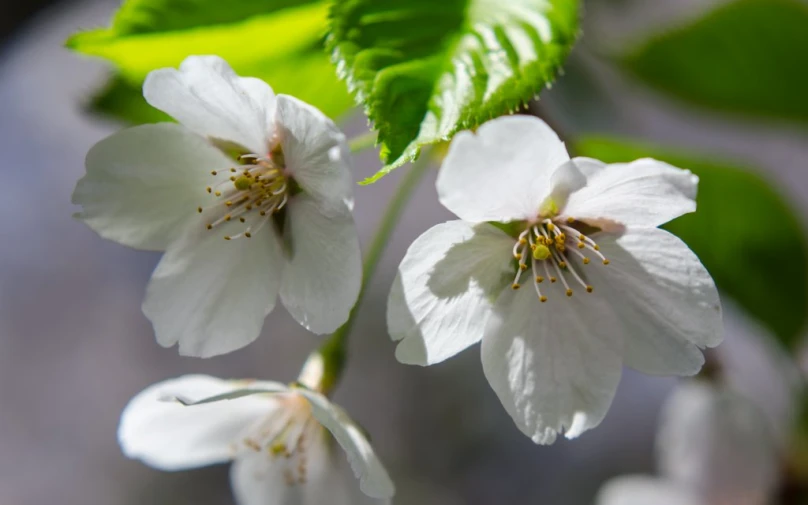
363, 142
324, 366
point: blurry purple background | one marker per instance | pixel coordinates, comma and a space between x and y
74, 346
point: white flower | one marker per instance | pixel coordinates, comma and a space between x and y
577, 282
718, 444
277, 436
642, 490
268, 173
714, 447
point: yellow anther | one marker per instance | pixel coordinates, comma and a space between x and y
605, 262
589, 289
570, 220
581, 245
213, 172
228, 217
550, 227
569, 292
523, 267
233, 178
539, 279
553, 279
263, 213
233, 170
242, 183
247, 234
515, 286
199, 209
517, 256
218, 193
210, 227
522, 241
242, 220
227, 237
228, 203
597, 247
562, 237
541, 252
561, 247
542, 299
209, 189
562, 264
540, 240
586, 261
581, 237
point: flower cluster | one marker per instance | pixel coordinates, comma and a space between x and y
556, 265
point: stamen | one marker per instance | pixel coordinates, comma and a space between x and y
257, 189
587, 242
577, 277
536, 275
561, 276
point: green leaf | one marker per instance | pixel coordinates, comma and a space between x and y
744, 232
748, 57
279, 41
424, 69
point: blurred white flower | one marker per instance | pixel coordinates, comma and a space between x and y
756, 366
714, 447
250, 198
719, 445
641, 490
277, 436
571, 281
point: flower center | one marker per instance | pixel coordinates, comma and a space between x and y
251, 193
286, 437
552, 248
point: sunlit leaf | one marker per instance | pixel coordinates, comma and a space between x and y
424, 69
749, 57
278, 41
745, 233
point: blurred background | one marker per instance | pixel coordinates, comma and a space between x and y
74, 346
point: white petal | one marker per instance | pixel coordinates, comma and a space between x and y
641, 490
143, 183
502, 172
315, 152
321, 280
442, 295
715, 442
211, 295
206, 96
555, 366
257, 479
373, 478
643, 193
666, 299
165, 434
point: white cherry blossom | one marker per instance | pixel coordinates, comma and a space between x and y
558, 267
280, 439
643, 490
250, 197
718, 444
714, 447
